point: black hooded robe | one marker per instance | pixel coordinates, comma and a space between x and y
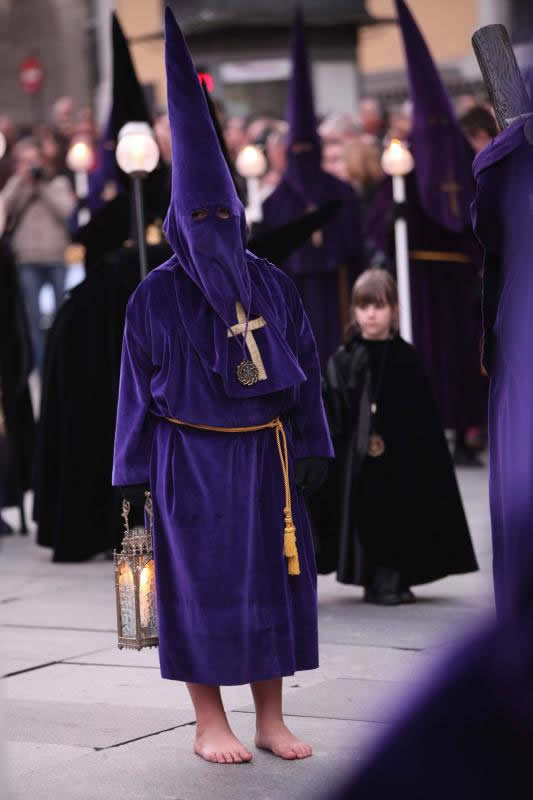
403, 509
16, 444
77, 511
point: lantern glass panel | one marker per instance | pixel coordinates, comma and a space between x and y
127, 600
147, 600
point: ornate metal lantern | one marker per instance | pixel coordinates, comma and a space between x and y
135, 584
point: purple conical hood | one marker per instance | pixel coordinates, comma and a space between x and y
443, 157
212, 250
304, 144
301, 108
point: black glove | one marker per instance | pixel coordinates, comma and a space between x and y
311, 473
135, 495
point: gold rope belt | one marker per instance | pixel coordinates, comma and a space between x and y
290, 549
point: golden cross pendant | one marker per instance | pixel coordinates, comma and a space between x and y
251, 344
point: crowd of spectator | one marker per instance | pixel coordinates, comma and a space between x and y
352, 142
37, 200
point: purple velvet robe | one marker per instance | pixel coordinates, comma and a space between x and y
502, 215
229, 613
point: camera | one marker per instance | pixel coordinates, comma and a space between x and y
36, 173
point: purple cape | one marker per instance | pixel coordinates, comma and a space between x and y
325, 267
502, 220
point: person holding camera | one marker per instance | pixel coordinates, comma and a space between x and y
38, 203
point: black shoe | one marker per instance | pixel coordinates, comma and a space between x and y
382, 598
406, 596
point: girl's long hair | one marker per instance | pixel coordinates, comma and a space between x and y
375, 286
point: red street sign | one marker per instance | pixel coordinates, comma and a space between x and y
31, 75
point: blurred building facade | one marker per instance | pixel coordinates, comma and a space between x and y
242, 45
355, 47
57, 34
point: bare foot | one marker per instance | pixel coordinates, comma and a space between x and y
277, 738
219, 745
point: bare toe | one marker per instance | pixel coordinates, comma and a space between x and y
220, 758
289, 753
245, 754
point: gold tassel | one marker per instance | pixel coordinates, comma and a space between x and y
294, 565
290, 549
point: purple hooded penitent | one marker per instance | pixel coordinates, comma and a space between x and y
229, 612
502, 221
444, 259
442, 154
326, 266
304, 150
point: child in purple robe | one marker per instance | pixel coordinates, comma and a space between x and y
220, 414
390, 516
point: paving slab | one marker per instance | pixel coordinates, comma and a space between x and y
87, 606
25, 757
344, 698
113, 657
164, 768
27, 649
114, 686
344, 619
372, 663
87, 725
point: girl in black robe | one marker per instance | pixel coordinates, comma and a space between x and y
390, 515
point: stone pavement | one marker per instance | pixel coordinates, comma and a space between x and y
84, 720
